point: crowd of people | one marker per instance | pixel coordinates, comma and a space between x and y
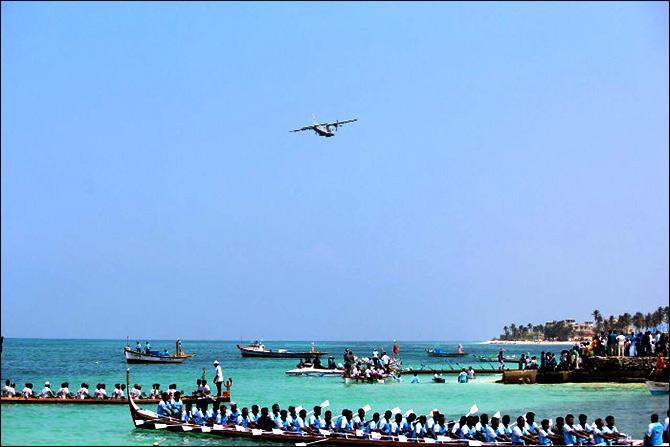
371, 368
525, 430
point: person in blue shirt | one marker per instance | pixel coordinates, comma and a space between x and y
385, 423
654, 435
463, 376
163, 408
543, 433
178, 405
254, 415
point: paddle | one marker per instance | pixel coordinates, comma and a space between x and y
367, 408
395, 411
497, 415
324, 404
473, 410
302, 444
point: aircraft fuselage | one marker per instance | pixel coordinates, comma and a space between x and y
324, 131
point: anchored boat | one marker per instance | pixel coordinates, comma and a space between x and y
257, 349
438, 352
134, 356
657, 388
315, 372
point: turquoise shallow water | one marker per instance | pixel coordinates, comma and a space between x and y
263, 381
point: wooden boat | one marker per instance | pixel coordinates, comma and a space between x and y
362, 380
657, 388
437, 352
315, 372
149, 420
519, 376
56, 401
257, 349
155, 356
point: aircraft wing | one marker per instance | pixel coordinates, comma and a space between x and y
339, 123
303, 128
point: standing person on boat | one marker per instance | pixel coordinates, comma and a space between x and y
147, 347
46, 391
138, 346
460, 349
8, 390
501, 361
218, 377
396, 349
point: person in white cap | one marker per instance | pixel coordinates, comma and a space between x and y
46, 391
218, 377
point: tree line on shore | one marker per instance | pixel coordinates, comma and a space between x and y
564, 330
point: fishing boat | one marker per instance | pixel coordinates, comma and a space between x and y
134, 356
438, 352
657, 388
58, 401
257, 349
315, 372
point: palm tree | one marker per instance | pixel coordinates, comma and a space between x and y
625, 320
512, 328
597, 318
648, 321
638, 320
506, 330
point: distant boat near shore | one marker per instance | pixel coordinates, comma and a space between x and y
657, 388
257, 349
136, 356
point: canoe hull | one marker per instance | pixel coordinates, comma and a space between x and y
247, 352
526, 376
141, 357
56, 401
315, 372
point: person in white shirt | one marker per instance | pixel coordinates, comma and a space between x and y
385, 359
27, 391
100, 392
118, 392
83, 392
621, 342
206, 390
218, 377
8, 390
46, 391
136, 392
64, 391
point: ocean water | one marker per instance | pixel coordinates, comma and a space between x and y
263, 381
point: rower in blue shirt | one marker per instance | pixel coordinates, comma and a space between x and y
163, 408
654, 435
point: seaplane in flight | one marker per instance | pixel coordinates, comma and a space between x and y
324, 129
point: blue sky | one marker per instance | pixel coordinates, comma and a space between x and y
510, 164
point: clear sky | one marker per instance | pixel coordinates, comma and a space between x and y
510, 164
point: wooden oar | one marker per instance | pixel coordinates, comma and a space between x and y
302, 444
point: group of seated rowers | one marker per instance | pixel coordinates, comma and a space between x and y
9, 390
119, 392
524, 431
